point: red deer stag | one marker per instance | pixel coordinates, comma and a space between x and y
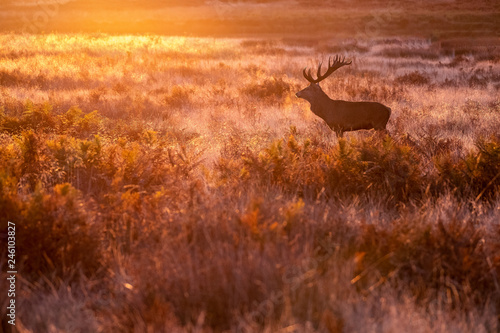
342, 116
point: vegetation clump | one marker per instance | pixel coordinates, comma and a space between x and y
148, 198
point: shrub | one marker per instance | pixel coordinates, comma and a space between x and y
429, 257
10, 78
96, 94
270, 88
78, 124
369, 167
10, 124
88, 124
39, 117
179, 96
32, 157
478, 174
71, 117
55, 235
63, 152
414, 78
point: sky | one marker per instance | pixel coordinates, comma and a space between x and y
341, 18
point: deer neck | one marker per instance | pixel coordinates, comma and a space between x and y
320, 104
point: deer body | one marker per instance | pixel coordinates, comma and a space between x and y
342, 116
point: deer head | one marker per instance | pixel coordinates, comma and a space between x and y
314, 91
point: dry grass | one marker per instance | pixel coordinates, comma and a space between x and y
177, 184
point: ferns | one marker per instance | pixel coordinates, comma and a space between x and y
373, 167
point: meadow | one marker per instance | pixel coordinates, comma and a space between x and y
171, 184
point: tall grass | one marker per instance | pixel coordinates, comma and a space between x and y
176, 184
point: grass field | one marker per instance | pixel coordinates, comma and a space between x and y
164, 183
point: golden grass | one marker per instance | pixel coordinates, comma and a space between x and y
177, 184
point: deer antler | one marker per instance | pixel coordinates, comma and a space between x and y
332, 67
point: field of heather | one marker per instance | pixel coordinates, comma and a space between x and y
176, 184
